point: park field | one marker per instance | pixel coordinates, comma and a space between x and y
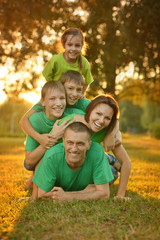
108, 219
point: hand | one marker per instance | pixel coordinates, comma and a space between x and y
58, 131
109, 142
58, 194
118, 138
123, 198
47, 141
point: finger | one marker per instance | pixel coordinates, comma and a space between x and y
66, 121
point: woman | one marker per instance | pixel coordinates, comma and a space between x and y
101, 116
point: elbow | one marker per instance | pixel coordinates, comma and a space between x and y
29, 162
21, 123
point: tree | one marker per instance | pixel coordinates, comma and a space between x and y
117, 33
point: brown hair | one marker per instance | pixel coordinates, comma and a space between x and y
106, 99
75, 32
51, 85
72, 76
78, 127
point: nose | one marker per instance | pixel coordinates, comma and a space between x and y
74, 148
58, 102
74, 93
101, 120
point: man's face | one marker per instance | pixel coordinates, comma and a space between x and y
54, 103
76, 144
73, 92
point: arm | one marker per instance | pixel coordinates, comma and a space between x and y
46, 140
124, 160
33, 157
91, 192
112, 139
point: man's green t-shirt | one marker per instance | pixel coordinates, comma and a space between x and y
57, 66
54, 171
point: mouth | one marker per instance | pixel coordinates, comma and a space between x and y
97, 125
58, 109
72, 99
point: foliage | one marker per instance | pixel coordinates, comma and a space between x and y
101, 219
117, 33
130, 117
155, 129
151, 114
11, 113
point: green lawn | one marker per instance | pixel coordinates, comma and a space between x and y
100, 219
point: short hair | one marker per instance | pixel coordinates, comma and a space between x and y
51, 85
106, 99
72, 76
79, 127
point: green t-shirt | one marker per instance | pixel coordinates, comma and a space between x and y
57, 65
80, 104
54, 171
42, 124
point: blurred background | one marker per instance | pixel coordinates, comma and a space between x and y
123, 40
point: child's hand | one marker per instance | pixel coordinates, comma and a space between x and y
58, 130
47, 141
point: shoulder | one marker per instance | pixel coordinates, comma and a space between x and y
84, 60
95, 147
57, 150
35, 116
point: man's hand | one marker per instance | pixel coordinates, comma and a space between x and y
58, 194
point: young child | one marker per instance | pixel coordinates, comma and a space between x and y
73, 43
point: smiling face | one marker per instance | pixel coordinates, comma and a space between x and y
73, 47
100, 117
76, 144
73, 91
54, 103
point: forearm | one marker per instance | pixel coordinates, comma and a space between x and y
33, 157
124, 160
124, 177
91, 195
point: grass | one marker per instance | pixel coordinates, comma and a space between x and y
100, 219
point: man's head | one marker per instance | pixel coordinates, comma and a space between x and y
53, 99
76, 140
73, 83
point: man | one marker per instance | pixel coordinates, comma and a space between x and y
74, 169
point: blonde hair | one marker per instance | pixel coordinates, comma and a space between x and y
51, 85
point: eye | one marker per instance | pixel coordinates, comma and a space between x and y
98, 113
80, 144
79, 90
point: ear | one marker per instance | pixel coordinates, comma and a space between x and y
89, 144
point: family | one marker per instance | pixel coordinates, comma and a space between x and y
65, 131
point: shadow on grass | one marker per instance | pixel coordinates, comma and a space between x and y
99, 219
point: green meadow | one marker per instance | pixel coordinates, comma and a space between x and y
109, 219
